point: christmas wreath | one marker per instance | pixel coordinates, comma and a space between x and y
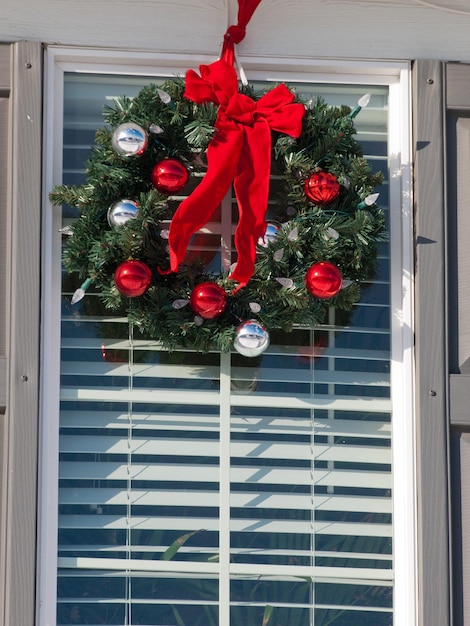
169, 156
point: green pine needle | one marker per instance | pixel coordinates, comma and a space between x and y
340, 233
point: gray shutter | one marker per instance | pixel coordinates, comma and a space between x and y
4, 118
442, 184
20, 203
458, 177
4, 103
431, 345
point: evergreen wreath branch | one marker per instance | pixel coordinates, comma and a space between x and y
346, 232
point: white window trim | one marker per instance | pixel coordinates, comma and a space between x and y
394, 74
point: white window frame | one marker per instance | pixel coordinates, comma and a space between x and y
396, 75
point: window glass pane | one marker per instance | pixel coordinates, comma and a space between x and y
175, 483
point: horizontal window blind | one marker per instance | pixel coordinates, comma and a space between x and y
188, 481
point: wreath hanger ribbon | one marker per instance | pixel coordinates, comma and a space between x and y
239, 152
236, 33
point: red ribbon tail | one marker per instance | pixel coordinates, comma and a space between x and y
246, 8
163, 272
238, 287
195, 211
252, 191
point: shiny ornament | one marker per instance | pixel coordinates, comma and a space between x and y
323, 280
169, 176
132, 278
129, 140
321, 188
270, 234
251, 339
208, 300
121, 212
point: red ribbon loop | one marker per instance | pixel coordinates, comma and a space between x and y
240, 152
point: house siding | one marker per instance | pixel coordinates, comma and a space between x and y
402, 29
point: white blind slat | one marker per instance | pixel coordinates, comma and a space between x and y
297, 426
104, 470
102, 551
194, 396
210, 524
348, 575
210, 448
268, 500
85, 368
75, 343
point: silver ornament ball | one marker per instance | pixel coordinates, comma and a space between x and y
129, 140
271, 232
121, 212
251, 339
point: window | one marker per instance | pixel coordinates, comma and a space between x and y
211, 489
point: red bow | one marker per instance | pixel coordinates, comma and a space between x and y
240, 152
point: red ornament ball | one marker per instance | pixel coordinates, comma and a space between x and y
323, 280
208, 300
132, 278
321, 187
169, 176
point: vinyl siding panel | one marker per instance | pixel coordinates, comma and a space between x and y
402, 29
